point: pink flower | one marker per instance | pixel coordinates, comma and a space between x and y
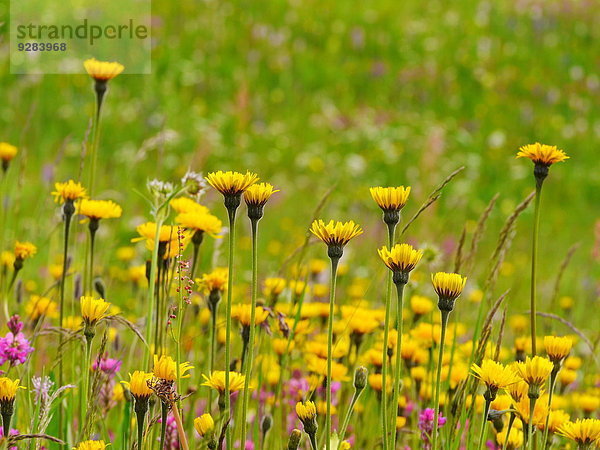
14, 348
426, 425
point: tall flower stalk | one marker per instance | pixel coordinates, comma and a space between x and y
231, 185
256, 196
336, 236
391, 200
543, 156
448, 287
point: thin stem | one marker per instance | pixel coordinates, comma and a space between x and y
213, 348
182, 438
386, 333
534, 250
141, 418
231, 215
86, 377
511, 420
346, 422
486, 411
398, 368
530, 425
151, 288
553, 377
91, 273
334, 265
95, 141
436, 403
249, 362
164, 411
195, 260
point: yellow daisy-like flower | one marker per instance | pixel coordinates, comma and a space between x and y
401, 258
93, 309
534, 371
339, 372
91, 445
138, 384
390, 198
214, 281
273, 286
217, 381
38, 306
68, 191
557, 348
186, 205
8, 389
306, 410
258, 194
204, 424
542, 154
147, 231
513, 440
7, 151
494, 374
24, 250
540, 411
102, 70
420, 305
335, 234
242, 314
165, 368
231, 183
584, 432
200, 221
448, 285
556, 419
98, 209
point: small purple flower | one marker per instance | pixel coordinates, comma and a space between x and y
426, 425
12, 432
107, 365
14, 324
171, 437
14, 348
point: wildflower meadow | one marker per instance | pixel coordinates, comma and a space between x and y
312, 226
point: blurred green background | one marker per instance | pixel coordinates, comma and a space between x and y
314, 94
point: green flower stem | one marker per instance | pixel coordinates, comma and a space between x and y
213, 349
511, 420
141, 419
95, 137
386, 333
530, 425
91, 269
436, 403
164, 412
553, 377
334, 266
398, 368
231, 216
346, 422
250, 360
87, 363
534, 251
486, 411
151, 291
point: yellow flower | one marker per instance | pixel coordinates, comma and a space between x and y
214, 281
7, 151
68, 191
186, 205
200, 221
126, 253
540, 411
534, 371
273, 286
400, 422
242, 314
494, 374
93, 309
319, 366
557, 348
231, 183
38, 306
217, 381
542, 154
24, 250
584, 432
147, 231
420, 305
72, 323
258, 194
138, 384
556, 419
165, 368
8, 389
102, 70
306, 410
91, 445
204, 424
8, 258
390, 198
281, 346
335, 234
99, 209
401, 258
514, 439
448, 285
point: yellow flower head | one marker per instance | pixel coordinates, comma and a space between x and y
38, 306
165, 368
91, 445
93, 309
390, 198
7, 258
420, 305
102, 70
138, 384
231, 183
448, 285
494, 374
339, 372
7, 151
24, 250
401, 258
534, 371
584, 432
556, 419
200, 221
98, 209
540, 411
68, 191
557, 348
273, 286
8, 389
147, 231
242, 314
258, 194
335, 233
204, 424
217, 381
542, 154
186, 205
514, 439
214, 281
306, 410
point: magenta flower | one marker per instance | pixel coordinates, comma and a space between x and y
14, 348
426, 425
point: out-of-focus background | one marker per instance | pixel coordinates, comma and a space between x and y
312, 95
